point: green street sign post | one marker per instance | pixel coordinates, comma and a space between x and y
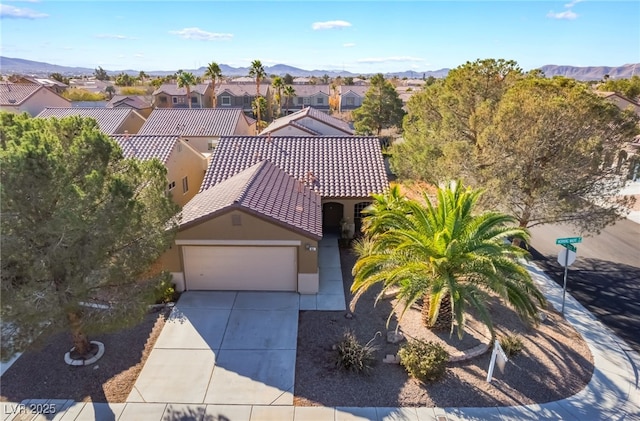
569, 240
571, 249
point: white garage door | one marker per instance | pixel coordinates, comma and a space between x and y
240, 268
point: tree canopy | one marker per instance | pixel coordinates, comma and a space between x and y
445, 254
627, 87
522, 137
100, 74
81, 227
215, 73
186, 80
380, 109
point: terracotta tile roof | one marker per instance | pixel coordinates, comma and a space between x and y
173, 90
241, 89
132, 101
109, 119
340, 166
296, 118
13, 94
147, 146
205, 122
264, 190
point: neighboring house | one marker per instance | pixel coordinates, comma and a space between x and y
620, 101
302, 80
28, 97
308, 122
406, 92
170, 96
110, 120
257, 230
185, 166
241, 95
351, 96
249, 79
56, 86
200, 127
316, 96
91, 85
135, 102
264, 204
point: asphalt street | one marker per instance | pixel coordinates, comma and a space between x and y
605, 277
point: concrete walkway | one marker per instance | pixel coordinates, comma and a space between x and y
330, 297
612, 394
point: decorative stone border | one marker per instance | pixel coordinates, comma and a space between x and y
76, 363
475, 351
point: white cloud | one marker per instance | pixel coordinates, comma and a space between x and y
572, 3
12, 12
567, 15
402, 59
331, 24
200, 35
349, 44
113, 36
139, 55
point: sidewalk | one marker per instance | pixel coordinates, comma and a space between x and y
612, 394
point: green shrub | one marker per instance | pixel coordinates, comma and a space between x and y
424, 360
165, 291
77, 94
129, 90
354, 356
511, 344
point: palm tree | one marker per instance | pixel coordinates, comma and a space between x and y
278, 85
213, 71
186, 80
444, 254
257, 71
289, 93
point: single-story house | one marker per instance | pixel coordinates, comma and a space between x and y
29, 97
620, 101
264, 205
308, 122
135, 102
185, 166
169, 95
257, 230
90, 84
110, 120
200, 127
55, 85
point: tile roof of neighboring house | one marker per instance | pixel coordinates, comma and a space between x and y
340, 166
147, 146
132, 101
309, 90
358, 90
109, 119
13, 94
204, 122
241, 89
173, 90
264, 190
293, 119
248, 79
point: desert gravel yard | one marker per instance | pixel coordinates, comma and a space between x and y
555, 362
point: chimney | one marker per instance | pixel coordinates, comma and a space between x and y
269, 137
126, 134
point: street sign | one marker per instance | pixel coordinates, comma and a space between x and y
566, 257
569, 240
570, 247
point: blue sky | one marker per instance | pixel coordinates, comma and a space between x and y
358, 36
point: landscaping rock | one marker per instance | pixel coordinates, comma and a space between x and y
394, 337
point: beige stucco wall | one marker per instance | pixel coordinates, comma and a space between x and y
36, 103
243, 128
200, 143
321, 127
132, 124
289, 131
185, 162
251, 228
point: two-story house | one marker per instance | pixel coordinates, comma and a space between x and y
170, 96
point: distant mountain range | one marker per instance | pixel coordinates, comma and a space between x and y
35, 68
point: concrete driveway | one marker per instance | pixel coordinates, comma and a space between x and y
223, 347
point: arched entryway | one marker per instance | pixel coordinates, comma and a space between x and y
332, 213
